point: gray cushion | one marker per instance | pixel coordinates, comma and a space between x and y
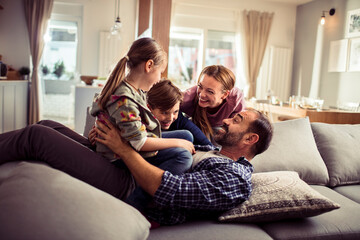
293, 148
209, 230
342, 223
279, 195
38, 202
350, 191
339, 146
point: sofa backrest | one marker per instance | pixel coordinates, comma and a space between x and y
293, 148
339, 146
322, 154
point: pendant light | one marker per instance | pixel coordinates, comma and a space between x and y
115, 29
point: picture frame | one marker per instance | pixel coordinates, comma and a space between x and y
353, 23
338, 55
354, 55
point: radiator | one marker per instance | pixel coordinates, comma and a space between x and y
13, 105
280, 65
109, 53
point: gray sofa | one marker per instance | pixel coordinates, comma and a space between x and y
38, 202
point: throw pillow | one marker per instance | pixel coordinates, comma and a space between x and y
293, 148
339, 146
279, 195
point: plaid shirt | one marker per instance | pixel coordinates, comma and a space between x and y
214, 185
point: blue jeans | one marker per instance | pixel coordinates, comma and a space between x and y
182, 134
174, 160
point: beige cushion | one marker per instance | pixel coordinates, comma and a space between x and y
293, 148
279, 195
38, 202
339, 146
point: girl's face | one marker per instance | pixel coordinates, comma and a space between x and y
154, 74
210, 92
166, 118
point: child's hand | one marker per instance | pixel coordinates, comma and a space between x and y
187, 145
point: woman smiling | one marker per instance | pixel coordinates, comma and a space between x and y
213, 99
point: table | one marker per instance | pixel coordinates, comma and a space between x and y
326, 116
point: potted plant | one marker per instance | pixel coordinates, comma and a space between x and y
59, 68
45, 70
24, 72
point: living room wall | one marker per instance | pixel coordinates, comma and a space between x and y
333, 86
98, 15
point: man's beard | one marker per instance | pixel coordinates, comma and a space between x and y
225, 138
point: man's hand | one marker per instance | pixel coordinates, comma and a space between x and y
148, 176
109, 135
92, 135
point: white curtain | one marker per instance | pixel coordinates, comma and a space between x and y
241, 65
37, 14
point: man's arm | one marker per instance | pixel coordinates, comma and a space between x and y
148, 176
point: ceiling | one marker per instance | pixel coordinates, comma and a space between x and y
295, 2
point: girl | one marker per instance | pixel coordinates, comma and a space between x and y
164, 100
123, 102
213, 99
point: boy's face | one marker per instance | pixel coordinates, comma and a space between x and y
166, 118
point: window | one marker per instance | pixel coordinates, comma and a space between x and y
60, 51
220, 49
188, 54
184, 54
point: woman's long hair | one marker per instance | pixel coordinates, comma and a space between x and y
227, 79
141, 50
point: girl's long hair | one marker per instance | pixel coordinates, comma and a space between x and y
141, 50
227, 79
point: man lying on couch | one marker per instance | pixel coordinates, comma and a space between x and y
221, 181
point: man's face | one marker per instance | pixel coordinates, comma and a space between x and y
234, 129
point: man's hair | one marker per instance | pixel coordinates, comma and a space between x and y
262, 127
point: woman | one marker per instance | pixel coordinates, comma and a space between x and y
213, 99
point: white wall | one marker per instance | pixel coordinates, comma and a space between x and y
334, 86
98, 15
14, 40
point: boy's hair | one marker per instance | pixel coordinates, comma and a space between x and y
164, 95
141, 50
227, 79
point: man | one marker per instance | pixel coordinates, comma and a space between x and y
219, 180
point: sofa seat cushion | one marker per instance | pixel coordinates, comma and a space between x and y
207, 229
293, 148
38, 202
342, 223
339, 146
350, 191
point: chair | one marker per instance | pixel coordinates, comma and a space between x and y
350, 106
263, 105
